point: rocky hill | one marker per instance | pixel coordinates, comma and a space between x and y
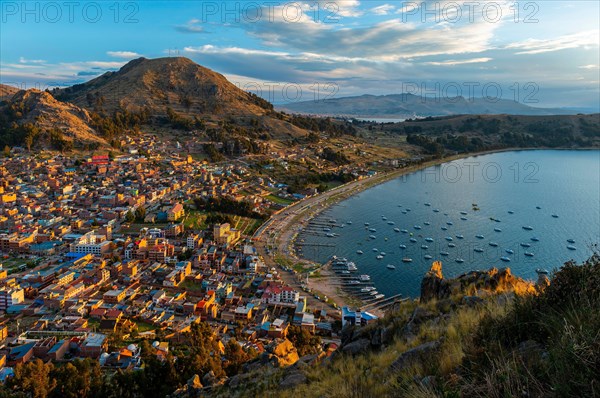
7, 91
37, 120
401, 106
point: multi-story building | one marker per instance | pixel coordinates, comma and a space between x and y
10, 296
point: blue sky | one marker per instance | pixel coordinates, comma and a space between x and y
545, 53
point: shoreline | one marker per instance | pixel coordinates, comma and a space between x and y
288, 222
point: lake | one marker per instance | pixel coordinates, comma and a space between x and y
556, 193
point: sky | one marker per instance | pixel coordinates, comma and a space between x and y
542, 53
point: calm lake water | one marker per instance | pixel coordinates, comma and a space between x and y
556, 193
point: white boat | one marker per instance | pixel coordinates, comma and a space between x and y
460, 237
373, 292
349, 222
372, 230
380, 257
354, 282
390, 266
534, 239
404, 231
511, 212
366, 224
506, 259
382, 253
555, 215
528, 228
413, 240
449, 223
359, 252
493, 244
365, 290
525, 245
478, 250
427, 223
372, 237
325, 229
375, 249
402, 246
417, 227
428, 204
571, 240
529, 254
571, 247
497, 230
331, 235
397, 229
428, 257
444, 228
424, 247
464, 218
407, 260
459, 260
428, 239
364, 278
479, 236
510, 251
436, 210
379, 296
384, 218
444, 253
449, 238
542, 271
451, 244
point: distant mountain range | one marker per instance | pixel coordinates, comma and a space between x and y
403, 106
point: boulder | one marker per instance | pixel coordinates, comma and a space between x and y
414, 355
194, 382
356, 347
292, 380
283, 353
472, 301
209, 379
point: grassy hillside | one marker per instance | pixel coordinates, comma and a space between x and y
545, 344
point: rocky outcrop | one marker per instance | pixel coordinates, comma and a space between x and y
435, 286
415, 355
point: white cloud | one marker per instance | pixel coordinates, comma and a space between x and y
123, 54
192, 26
539, 46
31, 61
453, 62
384, 9
591, 66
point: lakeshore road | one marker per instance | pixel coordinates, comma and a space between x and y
275, 236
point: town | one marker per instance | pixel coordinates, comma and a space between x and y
100, 253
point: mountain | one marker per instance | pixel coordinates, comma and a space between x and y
7, 91
164, 87
35, 118
402, 106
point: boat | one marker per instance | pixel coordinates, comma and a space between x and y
493, 244
404, 231
534, 239
413, 240
384, 218
571, 247
555, 215
478, 250
331, 235
506, 259
428, 239
365, 290
449, 223
460, 237
497, 230
382, 253
542, 271
427, 204
464, 213
571, 240
349, 222
404, 211
479, 236
372, 230
529, 254
449, 238
538, 207
417, 227
373, 292
397, 229
391, 223
528, 228
380, 257
359, 252
451, 244
407, 260
345, 272
436, 210
326, 229
375, 249
372, 237
354, 282
444, 253
402, 246
428, 257
427, 223
444, 228
407, 209
391, 266
464, 218
365, 277
525, 245
366, 224
424, 247
379, 296
386, 238
459, 260
510, 251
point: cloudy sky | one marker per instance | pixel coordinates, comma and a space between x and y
544, 53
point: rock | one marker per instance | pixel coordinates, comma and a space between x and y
472, 301
194, 382
387, 335
414, 355
356, 347
292, 380
542, 283
418, 317
428, 381
283, 353
433, 284
209, 379
376, 338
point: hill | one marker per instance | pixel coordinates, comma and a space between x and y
37, 120
401, 106
7, 91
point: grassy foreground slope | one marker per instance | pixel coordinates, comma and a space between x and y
476, 343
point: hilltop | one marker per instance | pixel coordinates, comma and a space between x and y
37, 120
7, 91
405, 105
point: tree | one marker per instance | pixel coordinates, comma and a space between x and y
304, 342
33, 379
140, 213
130, 217
7, 151
235, 357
